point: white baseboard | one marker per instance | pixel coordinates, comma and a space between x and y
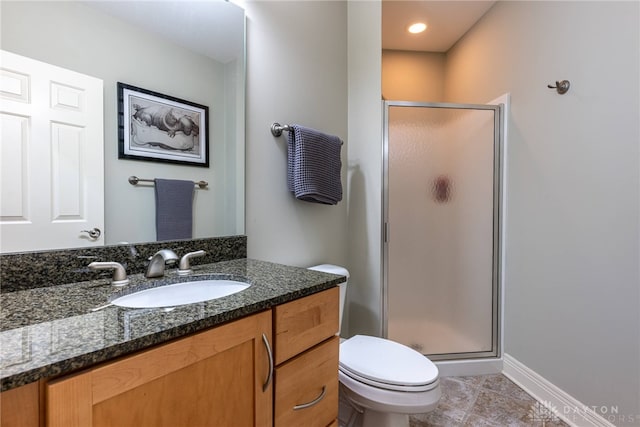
461, 368
569, 409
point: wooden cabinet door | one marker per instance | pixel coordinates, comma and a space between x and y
20, 407
220, 377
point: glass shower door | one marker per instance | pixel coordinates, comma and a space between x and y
442, 193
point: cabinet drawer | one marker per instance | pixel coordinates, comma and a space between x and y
307, 387
303, 323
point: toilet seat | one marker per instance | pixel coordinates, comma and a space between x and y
386, 365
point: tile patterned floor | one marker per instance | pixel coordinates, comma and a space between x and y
483, 401
488, 400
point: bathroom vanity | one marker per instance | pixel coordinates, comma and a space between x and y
265, 356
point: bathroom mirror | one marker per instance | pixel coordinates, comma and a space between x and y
191, 50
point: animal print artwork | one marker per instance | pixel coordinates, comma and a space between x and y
162, 126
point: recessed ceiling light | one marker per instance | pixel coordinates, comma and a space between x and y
416, 28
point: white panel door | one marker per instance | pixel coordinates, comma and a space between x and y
51, 159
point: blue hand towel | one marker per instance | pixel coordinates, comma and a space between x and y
314, 166
174, 209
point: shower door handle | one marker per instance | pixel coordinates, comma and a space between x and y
385, 232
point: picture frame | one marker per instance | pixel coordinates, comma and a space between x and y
161, 128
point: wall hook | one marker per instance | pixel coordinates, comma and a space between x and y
562, 87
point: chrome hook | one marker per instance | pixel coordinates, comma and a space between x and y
562, 87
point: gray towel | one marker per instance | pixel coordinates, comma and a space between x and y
314, 166
174, 209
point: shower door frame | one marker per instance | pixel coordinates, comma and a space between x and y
498, 188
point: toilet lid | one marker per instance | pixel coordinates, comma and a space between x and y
379, 361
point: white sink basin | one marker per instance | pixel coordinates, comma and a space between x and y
181, 293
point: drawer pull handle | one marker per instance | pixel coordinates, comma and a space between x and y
313, 402
265, 340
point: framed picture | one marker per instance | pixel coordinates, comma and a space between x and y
160, 128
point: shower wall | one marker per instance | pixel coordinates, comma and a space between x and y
440, 264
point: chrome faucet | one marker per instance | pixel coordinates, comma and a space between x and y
184, 267
158, 261
119, 273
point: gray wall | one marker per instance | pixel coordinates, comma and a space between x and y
572, 284
364, 297
297, 73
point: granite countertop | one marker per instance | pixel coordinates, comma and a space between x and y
45, 332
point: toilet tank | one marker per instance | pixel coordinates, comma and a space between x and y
336, 269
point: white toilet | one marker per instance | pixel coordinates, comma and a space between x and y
388, 381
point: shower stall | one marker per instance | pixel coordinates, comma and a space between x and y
442, 204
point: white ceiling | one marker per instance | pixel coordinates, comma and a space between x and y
447, 22
213, 28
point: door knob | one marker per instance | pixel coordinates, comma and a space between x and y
94, 233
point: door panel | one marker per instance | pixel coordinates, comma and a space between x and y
52, 156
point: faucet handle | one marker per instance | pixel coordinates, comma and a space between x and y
119, 273
183, 267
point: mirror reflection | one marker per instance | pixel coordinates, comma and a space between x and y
190, 50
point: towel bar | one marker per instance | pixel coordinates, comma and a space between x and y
277, 128
134, 180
